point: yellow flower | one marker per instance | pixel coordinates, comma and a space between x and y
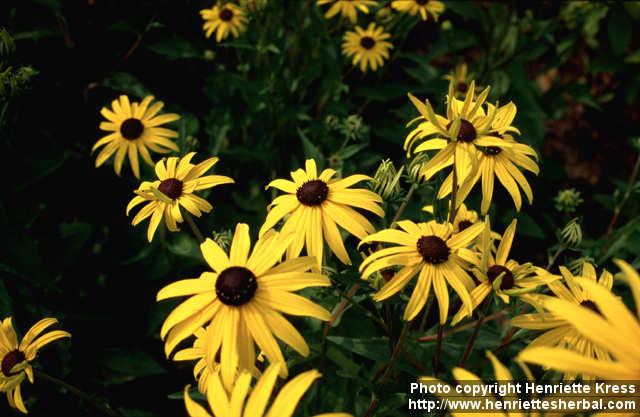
424, 7
16, 358
460, 78
433, 250
178, 180
607, 324
225, 19
135, 129
561, 332
463, 377
503, 162
318, 204
347, 8
242, 299
465, 127
238, 405
502, 275
202, 371
367, 47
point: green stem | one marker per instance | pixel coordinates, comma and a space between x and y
555, 255
404, 204
194, 227
476, 331
436, 359
389, 368
627, 193
102, 407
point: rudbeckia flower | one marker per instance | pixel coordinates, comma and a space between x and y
457, 135
16, 358
502, 162
501, 275
178, 180
225, 19
135, 130
606, 323
433, 252
367, 47
347, 8
241, 403
317, 205
424, 7
560, 332
243, 299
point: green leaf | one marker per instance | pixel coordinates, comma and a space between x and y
176, 48
127, 84
620, 30
376, 348
311, 151
127, 364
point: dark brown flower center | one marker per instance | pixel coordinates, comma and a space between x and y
312, 193
171, 187
507, 277
10, 360
236, 286
131, 129
591, 306
467, 132
462, 87
226, 15
422, 2
433, 249
464, 224
367, 42
387, 274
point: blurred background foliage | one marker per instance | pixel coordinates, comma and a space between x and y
264, 102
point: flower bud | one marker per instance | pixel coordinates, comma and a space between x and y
386, 181
568, 200
571, 234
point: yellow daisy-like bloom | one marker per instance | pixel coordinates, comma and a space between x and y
238, 405
317, 205
431, 250
367, 47
224, 20
15, 357
347, 8
460, 78
464, 377
560, 332
607, 324
178, 180
503, 162
465, 127
504, 276
242, 299
135, 130
424, 7
202, 371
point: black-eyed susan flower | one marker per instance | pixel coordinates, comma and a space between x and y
202, 370
424, 7
367, 48
456, 136
224, 19
433, 252
560, 332
135, 129
460, 78
241, 403
504, 276
462, 376
242, 298
317, 205
502, 162
606, 323
178, 180
347, 8
16, 358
